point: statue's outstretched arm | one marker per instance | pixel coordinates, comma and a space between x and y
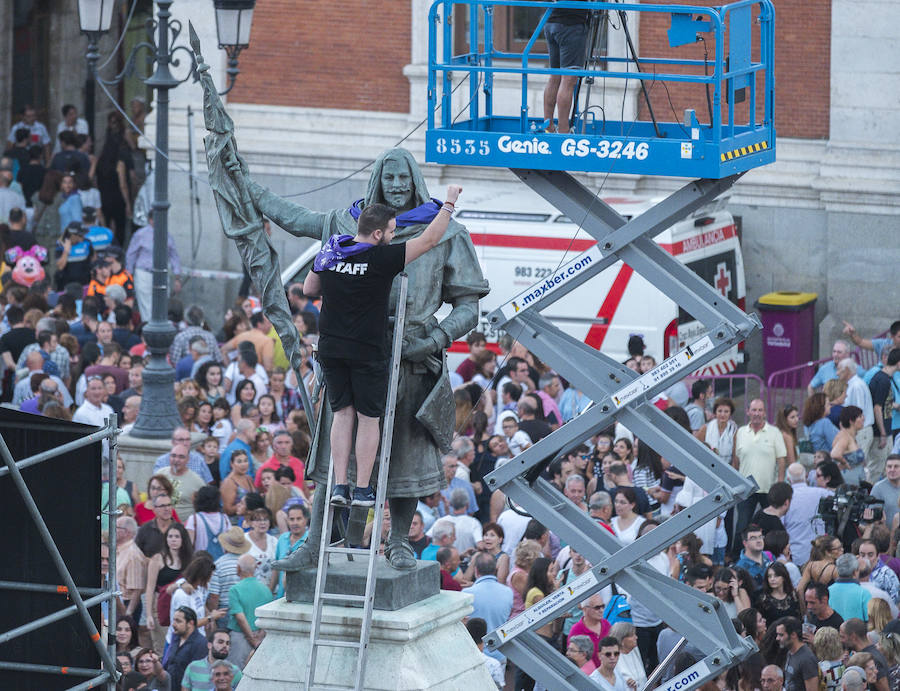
295, 219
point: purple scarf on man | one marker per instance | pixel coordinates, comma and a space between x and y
424, 213
333, 252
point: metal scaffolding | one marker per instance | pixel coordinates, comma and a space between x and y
107, 674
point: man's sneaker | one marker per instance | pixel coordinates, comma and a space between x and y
363, 496
340, 495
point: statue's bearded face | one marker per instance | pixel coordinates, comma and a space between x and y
397, 184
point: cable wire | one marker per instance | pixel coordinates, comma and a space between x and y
115, 49
403, 139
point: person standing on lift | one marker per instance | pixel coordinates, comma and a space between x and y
353, 275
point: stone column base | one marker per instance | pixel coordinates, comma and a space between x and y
422, 646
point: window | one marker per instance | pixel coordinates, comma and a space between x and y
513, 28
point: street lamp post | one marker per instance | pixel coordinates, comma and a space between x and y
158, 415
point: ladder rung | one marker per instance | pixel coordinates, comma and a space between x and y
347, 550
334, 643
337, 597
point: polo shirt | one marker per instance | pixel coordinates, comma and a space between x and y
890, 495
878, 344
826, 372
430, 553
244, 597
456, 483
757, 451
178, 658
198, 675
849, 599
493, 603
294, 464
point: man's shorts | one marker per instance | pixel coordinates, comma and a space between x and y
360, 383
566, 44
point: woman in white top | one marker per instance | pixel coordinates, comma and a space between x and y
192, 592
626, 523
630, 664
718, 433
262, 546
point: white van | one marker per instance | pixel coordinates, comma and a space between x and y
521, 239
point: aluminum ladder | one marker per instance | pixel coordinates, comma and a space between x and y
618, 394
327, 548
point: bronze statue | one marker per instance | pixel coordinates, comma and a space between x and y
449, 273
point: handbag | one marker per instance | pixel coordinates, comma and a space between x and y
163, 605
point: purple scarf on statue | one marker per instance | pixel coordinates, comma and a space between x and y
333, 252
424, 213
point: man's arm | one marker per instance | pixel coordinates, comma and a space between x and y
812, 684
268, 354
312, 284
429, 239
865, 343
879, 423
241, 619
781, 461
63, 258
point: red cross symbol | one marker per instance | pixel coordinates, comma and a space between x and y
723, 279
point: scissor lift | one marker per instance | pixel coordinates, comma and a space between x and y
717, 152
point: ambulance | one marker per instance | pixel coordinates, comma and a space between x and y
520, 240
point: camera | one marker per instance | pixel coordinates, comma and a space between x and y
846, 507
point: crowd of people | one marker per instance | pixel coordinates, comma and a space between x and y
822, 606
195, 547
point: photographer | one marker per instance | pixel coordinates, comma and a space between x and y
850, 513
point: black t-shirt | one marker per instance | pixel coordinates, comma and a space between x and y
569, 17
15, 341
21, 238
31, 177
355, 294
535, 429
767, 522
882, 395
20, 153
70, 160
799, 667
834, 621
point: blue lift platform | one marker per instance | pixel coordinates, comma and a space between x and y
729, 131
707, 141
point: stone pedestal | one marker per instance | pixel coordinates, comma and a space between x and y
422, 646
140, 455
393, 589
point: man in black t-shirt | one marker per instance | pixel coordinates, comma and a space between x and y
13, 342
819, 612
354, 277
801, 669
769, 518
